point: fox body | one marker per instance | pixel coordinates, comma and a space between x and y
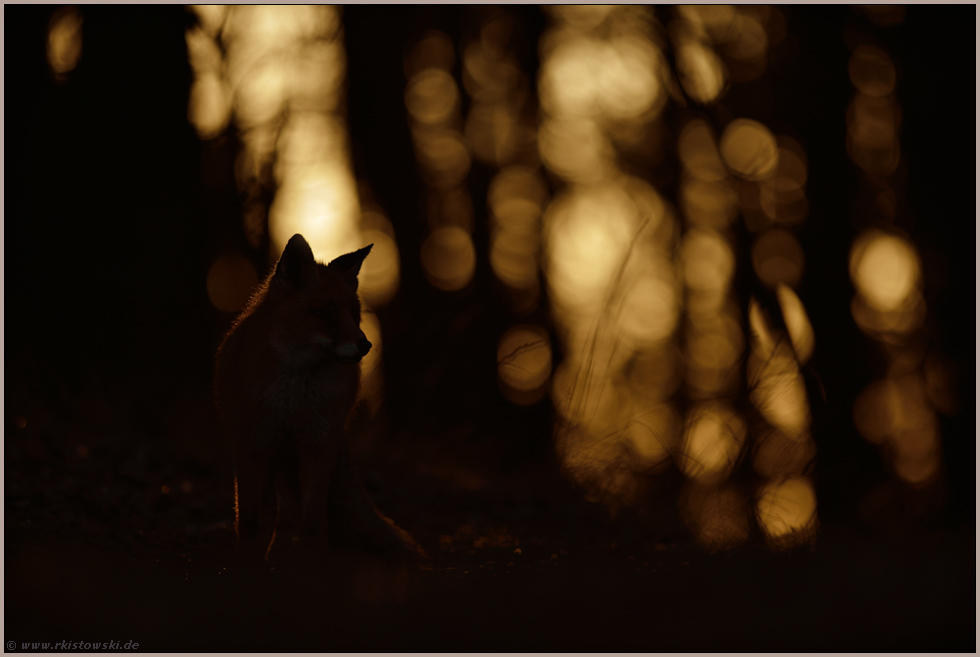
287, 379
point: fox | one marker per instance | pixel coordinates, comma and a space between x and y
287, 379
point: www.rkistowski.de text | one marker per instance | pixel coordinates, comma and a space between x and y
72, 645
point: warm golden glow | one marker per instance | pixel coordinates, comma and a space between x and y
379, 274
653, 434
517, 185
885, 269
629, 80
591, 233
608, 242
590, 397
261, 95
569, 80
707, 261
778, 391
587, 234
575, 149
783, 197
431, 96
763, 338
775, 383
703, 75
203, 52
321, 204
582, 17
797, 323
699, 152
650, 307
443, 155
871, 71
448, 258
209, 107
888, 324
787, 510
281, 75
64, 41
873, 122
516, 197
713, 346
872, 133
211, 17
231, 281
308, 141
777, 258
895, 412
654, 374
492, 132
749, 41
718, 21
593, 77
749, 149
713, 438
524, 363
708, 204
498, 129
513, 257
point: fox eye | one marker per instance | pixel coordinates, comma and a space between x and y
324, 313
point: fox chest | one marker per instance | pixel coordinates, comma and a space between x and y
318, 401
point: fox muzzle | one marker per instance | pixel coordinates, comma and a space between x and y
352, 352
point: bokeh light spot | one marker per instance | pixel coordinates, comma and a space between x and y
777, 258
697, 150
749, 149
871, 71
797, 323
702, 73
231, 281
787, 508
448, 258
431, 96
64, 41
380, 272
712, 440
209, 107
524, 363
884, 268
707, 260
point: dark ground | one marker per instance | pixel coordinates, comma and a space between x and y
109, 341
516, 563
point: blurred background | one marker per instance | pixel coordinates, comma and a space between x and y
692, 279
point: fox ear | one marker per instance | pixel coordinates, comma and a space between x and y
296, 265
350, 264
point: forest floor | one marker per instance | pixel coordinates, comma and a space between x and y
96, 551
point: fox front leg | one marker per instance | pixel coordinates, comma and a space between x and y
255, 506
317, 462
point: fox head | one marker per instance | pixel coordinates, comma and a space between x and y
316, 305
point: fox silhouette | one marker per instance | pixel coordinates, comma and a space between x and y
286, 380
